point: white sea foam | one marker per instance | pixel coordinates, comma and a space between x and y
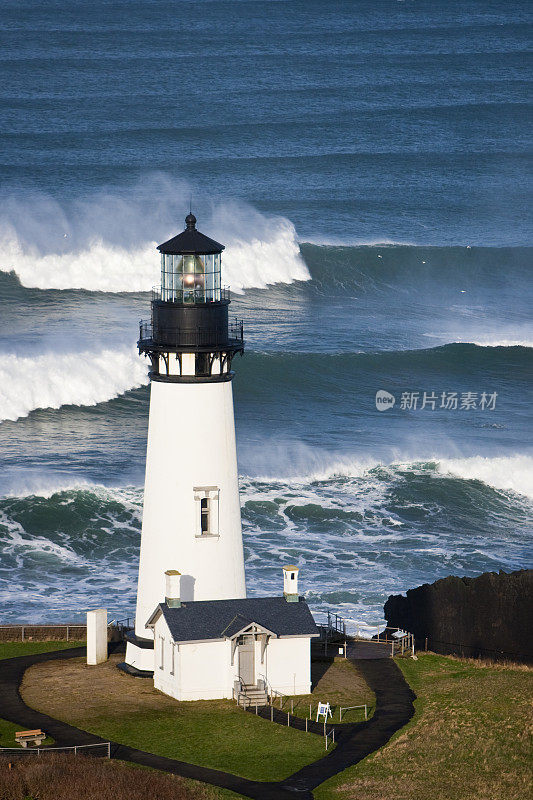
55, 380
107, 242
508, 473
504, 343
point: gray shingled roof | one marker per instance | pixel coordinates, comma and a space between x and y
219, 619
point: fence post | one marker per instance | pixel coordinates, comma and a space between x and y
22, 632
288, 720
109, 749
271, 713
333, 736
292, 706
413, 644
38, 751
392, 649
75, 750
426, 646
67, 633
365, 712
310, 713
256, 709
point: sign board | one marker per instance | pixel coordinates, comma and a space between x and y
323, 710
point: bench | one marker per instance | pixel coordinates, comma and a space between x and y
33, 737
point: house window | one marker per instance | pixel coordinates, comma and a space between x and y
172, 658
161, 652
206, 499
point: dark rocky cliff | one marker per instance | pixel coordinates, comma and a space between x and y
491, 615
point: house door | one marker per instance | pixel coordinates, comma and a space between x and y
247, 660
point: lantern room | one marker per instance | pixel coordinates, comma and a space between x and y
190, 267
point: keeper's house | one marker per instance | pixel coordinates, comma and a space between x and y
213, 649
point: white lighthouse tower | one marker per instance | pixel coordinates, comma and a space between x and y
191, 515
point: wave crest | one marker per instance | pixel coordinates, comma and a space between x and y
79, 379
105, 243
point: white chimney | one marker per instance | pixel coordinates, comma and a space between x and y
172, 588
290, 583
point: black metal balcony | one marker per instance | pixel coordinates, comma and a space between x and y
178, 338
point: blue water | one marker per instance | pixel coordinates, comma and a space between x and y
366, 164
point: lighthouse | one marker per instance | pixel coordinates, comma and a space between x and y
191, 513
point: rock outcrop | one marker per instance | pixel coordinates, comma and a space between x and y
489, 616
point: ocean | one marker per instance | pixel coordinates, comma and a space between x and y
366, 165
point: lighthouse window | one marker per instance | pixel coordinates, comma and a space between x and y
206, 499
205, 514
190, 278
202, 364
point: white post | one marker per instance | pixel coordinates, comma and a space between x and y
96, 636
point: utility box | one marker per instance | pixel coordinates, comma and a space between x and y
97, 636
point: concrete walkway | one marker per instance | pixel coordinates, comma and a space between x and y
394, 707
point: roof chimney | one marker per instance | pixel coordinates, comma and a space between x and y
172, 591
290, 583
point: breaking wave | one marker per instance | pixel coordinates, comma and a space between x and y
55, 380
106, 243
506, 473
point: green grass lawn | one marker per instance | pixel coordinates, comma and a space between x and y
467, 740
211, 733
214, 734
13, 649
7, 734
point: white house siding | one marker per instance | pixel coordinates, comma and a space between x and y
206, 671
203, 670
288, 665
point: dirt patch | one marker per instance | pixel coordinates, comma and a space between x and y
340, 678
73, 691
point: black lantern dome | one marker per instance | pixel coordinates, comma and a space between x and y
190, 313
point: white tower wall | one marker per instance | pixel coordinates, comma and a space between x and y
191, 454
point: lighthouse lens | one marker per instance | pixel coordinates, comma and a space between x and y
190, 278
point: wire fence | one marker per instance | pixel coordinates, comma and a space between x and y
65, 633
104, 749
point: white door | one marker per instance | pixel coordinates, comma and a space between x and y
247, 660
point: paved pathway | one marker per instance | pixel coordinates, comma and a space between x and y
394, 707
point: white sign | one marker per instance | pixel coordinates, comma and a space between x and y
323, 710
